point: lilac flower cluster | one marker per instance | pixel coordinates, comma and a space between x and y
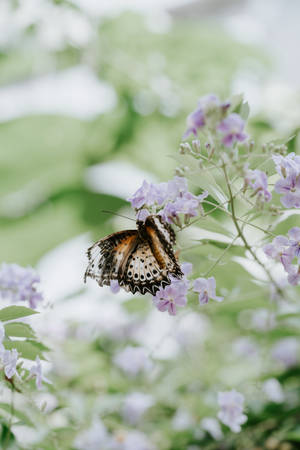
133, 360
231, 414
258, 181
175, 294
167, 298
286, 250
212, 113
171, 198
18, 284
288, 168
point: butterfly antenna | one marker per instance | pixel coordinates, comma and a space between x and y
116, 214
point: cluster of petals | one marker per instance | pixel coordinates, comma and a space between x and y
206, 289
288, 185
286, 250
232, 130
172, 198
231, 409
175, 294
18, 284
212, 113
258, 181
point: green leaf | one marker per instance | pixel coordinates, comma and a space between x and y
15, 312
19, 329
27, 349
244, 110
16, 413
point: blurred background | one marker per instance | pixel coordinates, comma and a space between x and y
93, 99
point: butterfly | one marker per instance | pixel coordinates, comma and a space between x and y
141, 260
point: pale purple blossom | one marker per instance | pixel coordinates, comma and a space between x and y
290, 188
175, 294
187, 204
93, 438
18, 284
287, 165
135, 406
273, 390
232, 129
209, 110
286, 351
212, 426
231, 413
294, 241
9, 361
171, 296
114, 286
142, 215
133, 360
36, 371
206, 289
286, 250
148, 194
258, 181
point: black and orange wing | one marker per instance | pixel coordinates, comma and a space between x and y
108, 257
161, 238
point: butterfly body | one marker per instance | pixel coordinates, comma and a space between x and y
140, 260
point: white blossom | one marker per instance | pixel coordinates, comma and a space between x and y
135, 405
231, 414
133, 360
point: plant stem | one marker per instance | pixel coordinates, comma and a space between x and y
240, 233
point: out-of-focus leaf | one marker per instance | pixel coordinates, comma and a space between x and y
17, 413
19, 329
15, 312
27, 349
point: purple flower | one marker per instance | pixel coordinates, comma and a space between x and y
167, 298
36, 371
206, 289
231, 414
142, 215
9, 361
114, 286
258, 181
279, 251
148, 194
290, 187
18, 284
194, 121
209, 107
293, 274
133, 360
187, 204
232, 129
286, 351
287, 165
176, 188
294, 242
135, 406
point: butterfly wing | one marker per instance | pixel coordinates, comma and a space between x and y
161, 238
143, 272
108, 257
